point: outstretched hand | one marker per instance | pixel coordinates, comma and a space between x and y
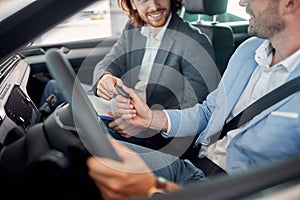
134, 110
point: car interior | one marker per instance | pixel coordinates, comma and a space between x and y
210, 17
220, 35
43, 157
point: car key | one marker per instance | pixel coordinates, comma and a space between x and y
122, 92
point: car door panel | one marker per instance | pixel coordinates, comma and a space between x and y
83, 57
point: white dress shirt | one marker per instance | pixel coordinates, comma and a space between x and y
154, 38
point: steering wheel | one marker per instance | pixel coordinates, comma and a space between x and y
91, 130
51, 158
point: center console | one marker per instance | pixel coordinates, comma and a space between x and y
17, 111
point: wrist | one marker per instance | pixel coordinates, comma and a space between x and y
159, 187
162, 186
105, 74
150, 118
158, 120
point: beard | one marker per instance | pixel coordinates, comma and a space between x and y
267, 23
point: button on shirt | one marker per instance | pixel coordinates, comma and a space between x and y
263, 80
154, 38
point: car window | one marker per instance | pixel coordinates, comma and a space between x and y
234, 8
100, 20
9, 7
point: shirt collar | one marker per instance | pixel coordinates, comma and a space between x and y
292, 61
145, 30
264, 55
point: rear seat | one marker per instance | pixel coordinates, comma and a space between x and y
220, 35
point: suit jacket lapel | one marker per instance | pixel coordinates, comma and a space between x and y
230, 94
239, 85
137, 47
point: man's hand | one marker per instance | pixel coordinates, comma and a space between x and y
126, 129
137, 112
134, 110
121, 180
106, 86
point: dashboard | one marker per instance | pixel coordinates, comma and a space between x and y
17, 110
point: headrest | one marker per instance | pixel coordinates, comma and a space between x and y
208, 7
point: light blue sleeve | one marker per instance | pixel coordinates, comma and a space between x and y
191, 121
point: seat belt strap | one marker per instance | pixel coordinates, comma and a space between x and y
261, 104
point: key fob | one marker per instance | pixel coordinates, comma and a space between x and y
122, 92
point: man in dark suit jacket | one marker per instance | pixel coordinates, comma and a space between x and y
181, 62
182, 68
176, 79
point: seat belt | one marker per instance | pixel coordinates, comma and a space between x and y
261, 104
206, 165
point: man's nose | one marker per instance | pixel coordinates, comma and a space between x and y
154, 4
242, 2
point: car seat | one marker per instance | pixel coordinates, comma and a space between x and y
221, 35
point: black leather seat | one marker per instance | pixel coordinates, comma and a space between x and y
220, 35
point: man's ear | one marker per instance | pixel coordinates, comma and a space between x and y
133, 4
291, 6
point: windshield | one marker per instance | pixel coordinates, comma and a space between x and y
9, 7
92, 22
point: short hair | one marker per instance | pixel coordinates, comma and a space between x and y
134, 16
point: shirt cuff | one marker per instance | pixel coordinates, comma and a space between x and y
167, 133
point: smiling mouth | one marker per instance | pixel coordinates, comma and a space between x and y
156, 16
